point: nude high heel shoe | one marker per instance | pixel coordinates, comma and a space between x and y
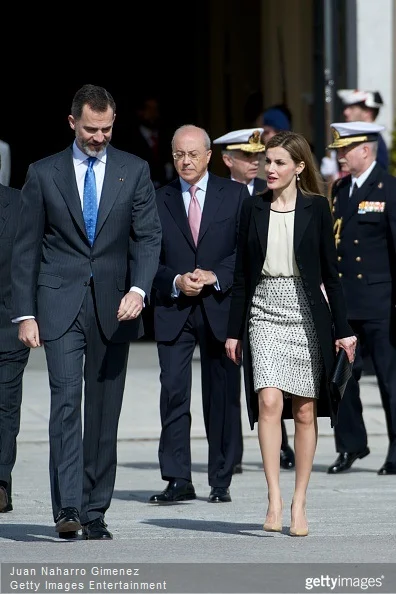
301, 530
275, 523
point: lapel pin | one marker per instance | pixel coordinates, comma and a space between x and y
380, 185
121, 179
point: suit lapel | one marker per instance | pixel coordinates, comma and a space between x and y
361, 195
302, 217
65, 180
112, 184
4, 211
175, 204
213, 199
343, 201
261, 214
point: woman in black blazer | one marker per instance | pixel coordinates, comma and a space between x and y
289, 332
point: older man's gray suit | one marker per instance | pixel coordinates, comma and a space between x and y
74, 291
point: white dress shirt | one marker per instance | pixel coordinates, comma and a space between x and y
359, 181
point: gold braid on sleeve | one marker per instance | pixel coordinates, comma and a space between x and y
337, 230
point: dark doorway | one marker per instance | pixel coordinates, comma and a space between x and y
148, 50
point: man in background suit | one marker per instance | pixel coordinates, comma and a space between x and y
364, 210
242, 152
149, 139
199, 213
13, 354
85, 255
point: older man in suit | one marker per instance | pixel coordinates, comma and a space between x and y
199, 213
85, 255
13, 354
243, 152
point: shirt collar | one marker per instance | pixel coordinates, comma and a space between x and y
359, 181
201, 184
80, 157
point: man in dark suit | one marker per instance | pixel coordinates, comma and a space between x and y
242, 152
13, 354
364, 210
199, 213
85, 255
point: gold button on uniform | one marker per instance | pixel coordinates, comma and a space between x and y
340, 274
355, 241
358, 259
339, 258
360, 275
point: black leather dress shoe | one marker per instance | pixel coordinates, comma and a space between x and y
345, 461
96, 530
67, 520
68, 535
219, 495
3, 499
387, 468
237, 469
7, 508
287, 459
175, 492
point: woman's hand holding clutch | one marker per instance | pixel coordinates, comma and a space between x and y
349, 346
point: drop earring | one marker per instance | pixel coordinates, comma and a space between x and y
297, 176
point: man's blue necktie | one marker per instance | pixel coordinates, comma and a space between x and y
90, 205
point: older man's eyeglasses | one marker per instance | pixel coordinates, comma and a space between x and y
191, 155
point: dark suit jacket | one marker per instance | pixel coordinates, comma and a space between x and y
259, 185
316, 259
10, 204
367, 248
52, 258
215, 251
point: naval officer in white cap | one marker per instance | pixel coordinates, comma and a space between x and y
242, 151
359, 106
364, 210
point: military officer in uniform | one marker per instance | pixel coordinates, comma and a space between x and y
358, 106
364, 210
242, 151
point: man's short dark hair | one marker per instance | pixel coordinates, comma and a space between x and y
97, 98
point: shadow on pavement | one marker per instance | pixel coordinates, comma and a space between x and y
210, 526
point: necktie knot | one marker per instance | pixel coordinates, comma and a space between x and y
194, 214
193, 191
354, 188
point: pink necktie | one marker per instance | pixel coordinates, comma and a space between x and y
194, 214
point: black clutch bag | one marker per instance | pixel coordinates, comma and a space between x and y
341, 373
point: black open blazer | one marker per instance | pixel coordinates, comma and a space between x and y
316, 259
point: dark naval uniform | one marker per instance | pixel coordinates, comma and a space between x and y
365, 232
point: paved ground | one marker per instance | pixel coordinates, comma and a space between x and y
351, 517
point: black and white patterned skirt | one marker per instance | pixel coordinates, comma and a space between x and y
283, 341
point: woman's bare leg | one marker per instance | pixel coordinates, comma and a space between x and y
305, 440
270, 438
